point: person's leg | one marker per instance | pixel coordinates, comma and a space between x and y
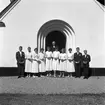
47, 67
78, 70
19, 69
75, 70
58, 73
62, 73
29, 74
50, 67
22, 70
47, 73
54, 73
84, 71
87, 72
39, 74
70, 74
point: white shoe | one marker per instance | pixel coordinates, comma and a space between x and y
33, 76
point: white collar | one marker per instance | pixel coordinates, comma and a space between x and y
78, 52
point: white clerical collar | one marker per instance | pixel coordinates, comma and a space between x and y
85, 55
20, 51
77, 52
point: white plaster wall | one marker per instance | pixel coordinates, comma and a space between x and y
24, 21
3, 4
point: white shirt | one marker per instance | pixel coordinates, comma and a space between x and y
63, 56
48, 54
41, 55
70, 56
56, 54
20, 53
34, 56
28, 55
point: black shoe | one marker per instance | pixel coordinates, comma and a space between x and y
19, 76
24, 76
85, 78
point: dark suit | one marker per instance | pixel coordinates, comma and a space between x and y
53, 48
85, 60
77, 62
20, 62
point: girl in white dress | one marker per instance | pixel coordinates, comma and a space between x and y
42, 61
55, 62
35, 62
28, 65
63, 62
48, 56
70, 62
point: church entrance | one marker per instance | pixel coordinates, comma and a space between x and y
58, 37
56, 30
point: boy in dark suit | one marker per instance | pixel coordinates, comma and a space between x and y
77, 62
20, 57
85, 60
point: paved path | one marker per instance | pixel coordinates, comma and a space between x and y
49, 85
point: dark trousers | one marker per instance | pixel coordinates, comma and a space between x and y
86, 70
21, 68
77, 69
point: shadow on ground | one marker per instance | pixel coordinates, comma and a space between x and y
52, 99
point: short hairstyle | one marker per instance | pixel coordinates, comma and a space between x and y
29, 47
77, 48
63, 49
85, 50
42, 49
35, 49
70, 49
20, 47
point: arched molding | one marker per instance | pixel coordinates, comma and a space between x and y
56, 25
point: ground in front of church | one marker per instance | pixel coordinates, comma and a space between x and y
52, 91
72, 99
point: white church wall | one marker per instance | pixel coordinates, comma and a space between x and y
24, 21
3, 4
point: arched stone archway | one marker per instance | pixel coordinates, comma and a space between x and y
58, 25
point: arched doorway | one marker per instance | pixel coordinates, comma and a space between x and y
58, 37
56, 26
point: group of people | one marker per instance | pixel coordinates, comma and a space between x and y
32, 62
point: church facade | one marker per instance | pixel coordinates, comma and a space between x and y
36, 23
